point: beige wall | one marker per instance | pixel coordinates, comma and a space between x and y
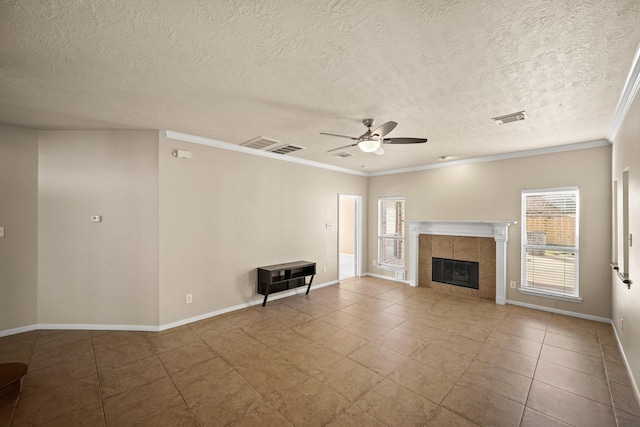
626, 302
224, 213
19, 217
347, 225
107, 272
492, 191
169, 226
201, 226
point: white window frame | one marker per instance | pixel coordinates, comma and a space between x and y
524, 288
399, 237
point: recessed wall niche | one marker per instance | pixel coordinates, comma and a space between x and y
476, 249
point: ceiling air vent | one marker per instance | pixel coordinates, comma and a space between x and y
343, 155
510, 118
260, 143
286, 149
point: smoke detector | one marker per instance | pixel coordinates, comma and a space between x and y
510, 118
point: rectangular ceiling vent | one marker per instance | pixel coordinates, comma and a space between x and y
510, 118
343, 155
260, 143
286, 149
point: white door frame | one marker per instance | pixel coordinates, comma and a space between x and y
358, 232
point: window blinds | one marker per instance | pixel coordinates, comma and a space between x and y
391, 232
550, 240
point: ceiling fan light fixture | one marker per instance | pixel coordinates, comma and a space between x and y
369, 145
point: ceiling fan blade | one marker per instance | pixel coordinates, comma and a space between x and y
342, 148
404, 140
384, 129
340, 136
379, 151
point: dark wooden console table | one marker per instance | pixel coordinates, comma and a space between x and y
280, 277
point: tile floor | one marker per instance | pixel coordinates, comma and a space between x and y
367, 352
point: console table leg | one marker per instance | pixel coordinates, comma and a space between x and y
266, 294
310, 282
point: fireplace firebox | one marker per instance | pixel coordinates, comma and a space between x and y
456, 272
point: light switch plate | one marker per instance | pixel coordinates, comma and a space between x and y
96, 218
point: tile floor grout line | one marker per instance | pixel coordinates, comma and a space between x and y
408, 313
173, 382
95, 363
606, 373
460, 376
247, 382
310, 376
359, 364
17, 402
533, 378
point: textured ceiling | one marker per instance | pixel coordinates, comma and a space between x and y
290, 69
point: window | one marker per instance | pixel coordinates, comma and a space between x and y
391, 232
550, 243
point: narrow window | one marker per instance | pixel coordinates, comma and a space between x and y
391, 232
550, 242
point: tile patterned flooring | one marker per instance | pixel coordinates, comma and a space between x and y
366, 352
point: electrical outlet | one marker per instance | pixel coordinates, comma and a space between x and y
512, 284
96, 218
373, 262
324, 270
189, 298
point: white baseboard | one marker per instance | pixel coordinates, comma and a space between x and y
150, 328
19, 330
78, 327
98, 327
380, 276
272, 297
558, 311
634, 384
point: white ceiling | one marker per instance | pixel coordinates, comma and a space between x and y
289, 69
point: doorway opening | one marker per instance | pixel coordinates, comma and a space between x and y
349, 236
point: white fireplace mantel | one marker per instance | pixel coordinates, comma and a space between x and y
495, 229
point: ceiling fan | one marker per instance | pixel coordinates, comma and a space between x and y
372, 140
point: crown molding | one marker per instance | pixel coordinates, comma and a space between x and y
239, 148
631, 87
513, 155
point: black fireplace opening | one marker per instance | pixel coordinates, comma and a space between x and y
456, 272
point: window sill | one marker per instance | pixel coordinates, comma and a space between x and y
545, 294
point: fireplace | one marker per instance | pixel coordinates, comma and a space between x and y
492, 275
456, 272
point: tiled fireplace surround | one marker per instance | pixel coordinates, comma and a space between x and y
484, 242
477, 249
